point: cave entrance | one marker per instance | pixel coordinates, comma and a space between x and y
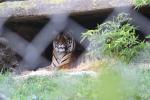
28, 27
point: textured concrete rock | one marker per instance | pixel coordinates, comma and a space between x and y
56, 73
8, 60
47, 7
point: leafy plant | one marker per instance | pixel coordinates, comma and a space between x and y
140, 3
116, 82
115, 38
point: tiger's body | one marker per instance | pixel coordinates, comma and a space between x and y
63, 51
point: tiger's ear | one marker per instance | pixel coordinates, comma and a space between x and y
57, 37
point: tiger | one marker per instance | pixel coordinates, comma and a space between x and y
63, 51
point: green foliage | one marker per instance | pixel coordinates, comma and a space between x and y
123, 43
140, 3
115, 82
148, 36
143, 57
114, 39
46, 88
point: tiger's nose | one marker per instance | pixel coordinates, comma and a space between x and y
61, 46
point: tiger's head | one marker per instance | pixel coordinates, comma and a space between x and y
64, 43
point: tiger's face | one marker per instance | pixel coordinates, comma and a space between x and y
63, 43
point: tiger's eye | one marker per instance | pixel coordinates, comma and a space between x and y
69, 41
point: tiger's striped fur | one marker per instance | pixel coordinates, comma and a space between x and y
63, 49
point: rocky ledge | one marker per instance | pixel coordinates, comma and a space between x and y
49, 7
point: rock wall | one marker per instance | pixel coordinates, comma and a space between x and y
8, 59
47, 7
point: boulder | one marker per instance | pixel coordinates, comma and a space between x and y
8, 59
